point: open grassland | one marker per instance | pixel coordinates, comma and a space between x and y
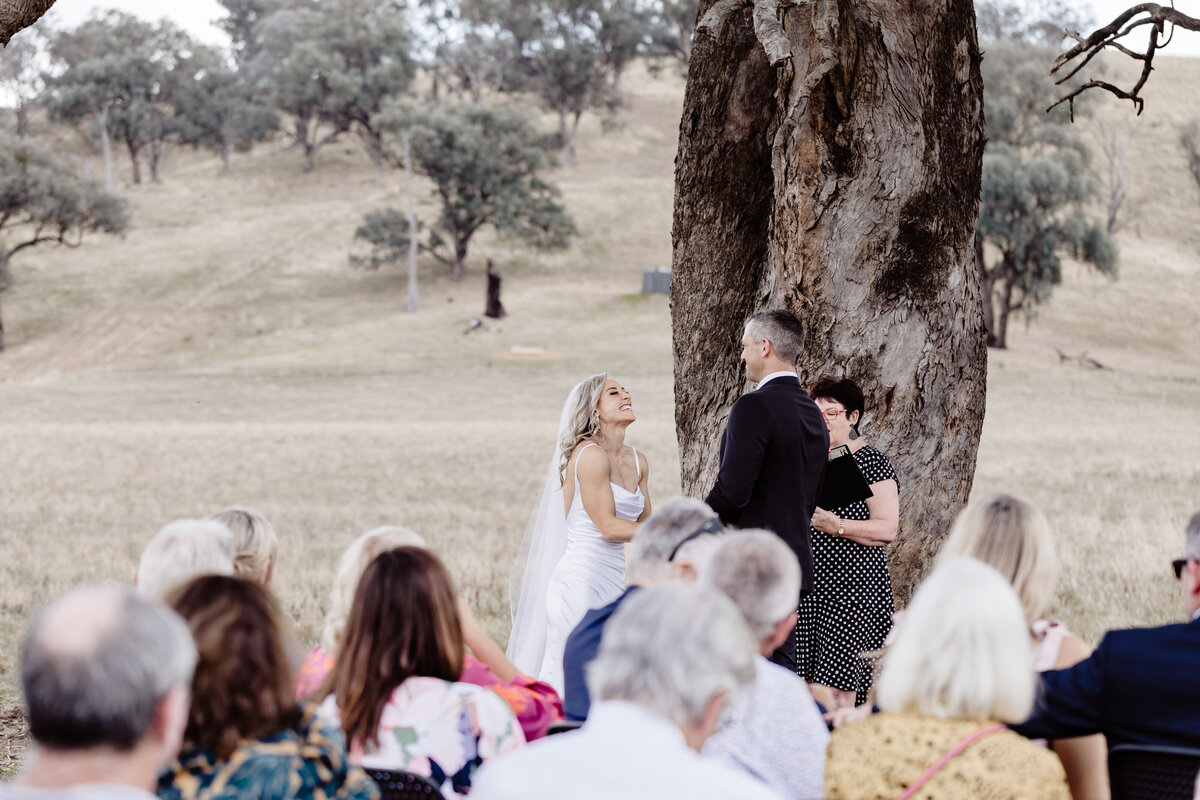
224, 352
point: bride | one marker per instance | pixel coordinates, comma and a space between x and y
573, 557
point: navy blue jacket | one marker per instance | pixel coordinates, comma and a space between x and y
581, 648
773, 456
1141, 686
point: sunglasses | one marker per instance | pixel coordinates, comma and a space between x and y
712, 526
1178, 565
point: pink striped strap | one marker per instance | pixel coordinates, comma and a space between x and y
947, 757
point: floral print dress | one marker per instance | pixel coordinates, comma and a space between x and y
438, 728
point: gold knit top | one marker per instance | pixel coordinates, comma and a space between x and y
877, 759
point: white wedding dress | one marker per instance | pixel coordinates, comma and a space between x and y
590, 574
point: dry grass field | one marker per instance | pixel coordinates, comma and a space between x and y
225, 352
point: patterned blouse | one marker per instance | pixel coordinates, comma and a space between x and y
535, 703
438, 728
307, 762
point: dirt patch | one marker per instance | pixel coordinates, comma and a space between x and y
14, 740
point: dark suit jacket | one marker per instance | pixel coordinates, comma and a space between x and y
773, 456
582, 646
1141, 686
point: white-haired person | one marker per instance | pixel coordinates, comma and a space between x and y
668, 545
536, 705
1013, 536
182, 550
256, 544
673, 656
777, 733
957, 672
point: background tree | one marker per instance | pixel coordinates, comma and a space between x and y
21, 67
43, 201
16, 15
486, 166
829, 161
1037, 180
1189, 140
671, 25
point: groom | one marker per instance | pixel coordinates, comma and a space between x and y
774, 448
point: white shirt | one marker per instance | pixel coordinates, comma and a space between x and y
623, 751
777, 734
781, 374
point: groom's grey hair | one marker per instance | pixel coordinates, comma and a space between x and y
671, 649
661, 533
782, 329
760, 574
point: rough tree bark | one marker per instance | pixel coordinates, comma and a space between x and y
831, 163
16, 15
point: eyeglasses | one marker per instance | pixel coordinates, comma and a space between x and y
832, 413
1178, 565
712, 526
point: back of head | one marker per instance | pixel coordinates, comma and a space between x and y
782, 329
256, 545
95, 665
760, 574
243, 688
662, 533
403, 623
671, 649
350, 568
1013, 537
182, 550
962, 650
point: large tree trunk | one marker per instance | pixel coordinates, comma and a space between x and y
843, 183
16, 15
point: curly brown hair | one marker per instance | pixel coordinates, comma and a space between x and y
403, 623
243, 686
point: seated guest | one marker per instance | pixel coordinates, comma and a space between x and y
777, 734
182, 550
105, 676
246, 736
394, 687
671, 658
536, 704
256, 546
959, 666
654, 556
1012, 536
1140, 686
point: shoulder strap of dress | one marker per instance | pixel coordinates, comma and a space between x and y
949, 756
637, 464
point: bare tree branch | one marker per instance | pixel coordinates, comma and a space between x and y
1152, 14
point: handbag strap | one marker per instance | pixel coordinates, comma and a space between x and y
947, 757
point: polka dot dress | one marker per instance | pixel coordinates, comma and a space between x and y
850, 609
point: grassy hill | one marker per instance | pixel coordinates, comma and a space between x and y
225, 352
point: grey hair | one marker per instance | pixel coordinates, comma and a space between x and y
96, 664
1192, 545
182, 550
782, 329
582, 421
361, 552
255, 542
671, 649
760, 574
962, 651
661, 533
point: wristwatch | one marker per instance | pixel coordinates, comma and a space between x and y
841, 527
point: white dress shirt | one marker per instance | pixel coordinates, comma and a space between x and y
776, 734
781, 374
623, 751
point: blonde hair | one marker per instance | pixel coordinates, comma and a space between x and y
1012, 536
182, 550
582, 421
962, 651
255, 541
350, 568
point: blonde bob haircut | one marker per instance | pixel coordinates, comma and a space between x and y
962, 649
350, 568
1013, 537
255, 542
